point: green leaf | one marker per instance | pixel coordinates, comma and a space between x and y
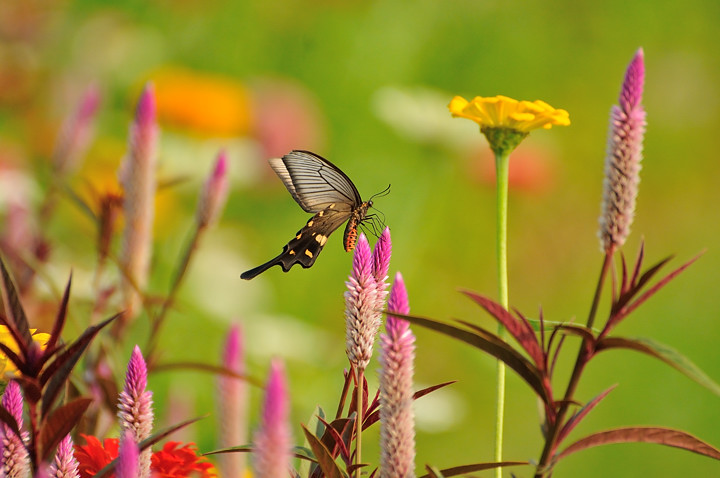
657, 435
663, 352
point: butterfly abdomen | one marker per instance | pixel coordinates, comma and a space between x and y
351, 230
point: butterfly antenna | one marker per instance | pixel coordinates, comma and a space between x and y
382, 193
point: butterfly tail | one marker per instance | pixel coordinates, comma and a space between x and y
252, 273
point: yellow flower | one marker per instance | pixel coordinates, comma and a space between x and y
504, 112
6, 366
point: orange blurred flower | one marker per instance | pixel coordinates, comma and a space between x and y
207, 104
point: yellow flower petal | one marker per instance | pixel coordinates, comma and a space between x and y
503, 112
6, 366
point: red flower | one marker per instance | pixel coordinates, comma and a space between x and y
173, 461
94, 456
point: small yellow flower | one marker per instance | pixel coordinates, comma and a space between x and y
504, 112
6, 366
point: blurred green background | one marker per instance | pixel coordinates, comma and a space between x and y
366, 85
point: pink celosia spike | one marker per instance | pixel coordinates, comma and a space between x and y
128, 465
397, 434
76, 133
64, 465
632, 88
137, 177
13, 454
272, 446
135, 407
622, 160
381, 255
214, 193
233, 404
363, 309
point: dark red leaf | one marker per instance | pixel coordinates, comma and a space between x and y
520, 329
425, 391
322, 455
59, 369
660, 351
204, 367
657, 435
16, 321
580, 414
16, 360
60, 422
59, 320
463, 469
337, 438
7, 419
493, 345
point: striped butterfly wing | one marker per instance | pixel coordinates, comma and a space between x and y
315, 183
304, 248
320, 187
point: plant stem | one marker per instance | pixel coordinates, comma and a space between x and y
170, 299
501, 168
582, 359
360, 373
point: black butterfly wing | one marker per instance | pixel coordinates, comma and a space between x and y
304, 248
315, 183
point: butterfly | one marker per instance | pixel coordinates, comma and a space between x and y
319, 187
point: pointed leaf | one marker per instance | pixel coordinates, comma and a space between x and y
8, 420
17, 322
520, 329
58, 371
231, 449
663, 352
59, 320
325, 460
375, 415
337, 440
205, 367
582, 413
622, 309
16, 360
463, 469
491, 344
657, 435
60, 422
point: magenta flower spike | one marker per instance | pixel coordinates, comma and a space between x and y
64, 465
76, 133
128, 465
135, 407
14, 455
381, 256
214, 193
397, 432
622, 161
271, 445
233, 405
137, 177
362, 315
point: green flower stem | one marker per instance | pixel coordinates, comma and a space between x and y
501, 167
